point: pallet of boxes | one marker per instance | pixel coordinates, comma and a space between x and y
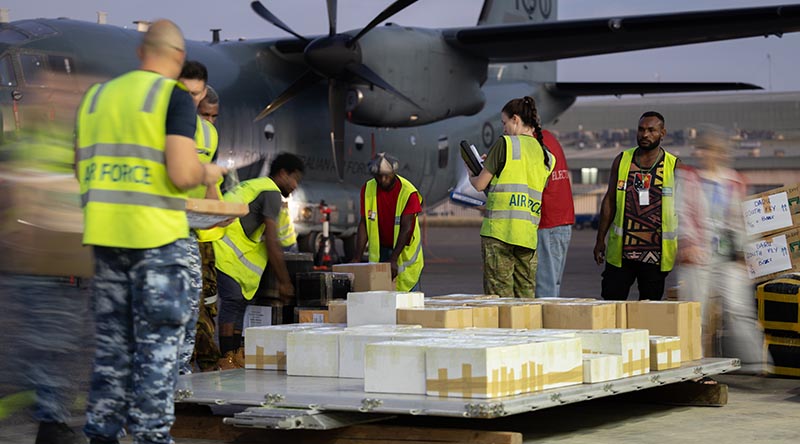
478, 346
772, 219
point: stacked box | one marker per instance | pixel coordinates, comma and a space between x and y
305, 315
598, 367
369, 276
265, 347
461, 296
516, 313
667, 318
579, 315
552, 362
632, 345
317, 288
313, 352
337, 311
397, 366
665, 352
622, 312
379, 307
351, 350
774, 255
772, 211
785, 353
437, 317
779, 304
485, 316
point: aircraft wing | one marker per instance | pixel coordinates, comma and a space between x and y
576, 89
537, 42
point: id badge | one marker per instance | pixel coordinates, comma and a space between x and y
644, 197
371, 215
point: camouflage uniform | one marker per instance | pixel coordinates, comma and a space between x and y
206, 351
508, 270
141, 305
186, 350
44, 328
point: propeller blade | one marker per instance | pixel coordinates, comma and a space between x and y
336, 97
331, 17
391, 10
268, 16
362, 71
304, 82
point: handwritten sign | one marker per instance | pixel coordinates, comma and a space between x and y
257, 316
765, 257
767, 213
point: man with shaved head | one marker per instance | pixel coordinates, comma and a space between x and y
135, 162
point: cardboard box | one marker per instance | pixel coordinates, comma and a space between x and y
205, 213
665, 352
579, 315
773, 256
515, 314
351, 350
485, 316
265, 347
313, 352
311, 316
622, 312
437, 317
369, 276
316, 288
631, 344
772, 211
667, 318
397, 366
463, 296
337, 311
598, 367
379, 307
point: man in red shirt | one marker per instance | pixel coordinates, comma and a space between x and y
555, 227
385, 199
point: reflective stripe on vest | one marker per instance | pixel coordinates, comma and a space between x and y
206, 140
241, 257
669, 219
129, 200
411, 260
514, 201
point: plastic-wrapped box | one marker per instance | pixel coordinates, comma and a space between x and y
317, 288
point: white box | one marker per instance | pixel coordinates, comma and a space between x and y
313, 353
551, 362
379, 307
598, 367
549, 333
351, 350
665, 352
631, 344
265, 347
397, 366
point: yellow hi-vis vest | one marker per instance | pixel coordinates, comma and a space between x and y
514, 201
127, 196
286, 234
206, 139
241, 257
669, 219
411, 261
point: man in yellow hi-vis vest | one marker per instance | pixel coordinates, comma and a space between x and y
135, 161
248, 245
638, 214
389, 208
515, 173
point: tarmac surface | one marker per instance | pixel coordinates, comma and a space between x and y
759, 409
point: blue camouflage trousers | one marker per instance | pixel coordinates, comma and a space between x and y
141, 304
186, 348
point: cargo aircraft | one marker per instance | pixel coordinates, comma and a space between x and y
337, 98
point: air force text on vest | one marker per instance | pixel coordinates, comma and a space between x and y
117, 172
523, 200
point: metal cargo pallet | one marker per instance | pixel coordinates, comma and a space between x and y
310, 396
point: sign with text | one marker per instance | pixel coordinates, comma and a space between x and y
768, 256
767, 213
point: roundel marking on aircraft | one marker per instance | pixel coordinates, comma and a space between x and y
487, 134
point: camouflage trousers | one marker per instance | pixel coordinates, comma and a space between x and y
44, 328
206, 350
186, 349
508, 270
141, 304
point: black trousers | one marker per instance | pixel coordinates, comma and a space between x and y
617, 281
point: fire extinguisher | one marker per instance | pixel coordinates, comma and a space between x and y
326, 254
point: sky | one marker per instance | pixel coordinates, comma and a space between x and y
772, 63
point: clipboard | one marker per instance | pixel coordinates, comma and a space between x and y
471, 157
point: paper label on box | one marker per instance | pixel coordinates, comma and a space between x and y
318, 318
767, 214
257, 316
764, 257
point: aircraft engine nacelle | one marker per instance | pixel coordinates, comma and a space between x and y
442, 81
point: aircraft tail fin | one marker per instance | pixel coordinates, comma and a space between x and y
506, 12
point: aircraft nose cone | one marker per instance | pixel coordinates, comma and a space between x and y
329, 56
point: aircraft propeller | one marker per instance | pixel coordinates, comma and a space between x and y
337, 58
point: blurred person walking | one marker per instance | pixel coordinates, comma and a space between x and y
711, 263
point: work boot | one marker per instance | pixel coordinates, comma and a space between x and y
232, 360
56, 433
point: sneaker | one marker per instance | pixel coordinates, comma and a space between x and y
56, 433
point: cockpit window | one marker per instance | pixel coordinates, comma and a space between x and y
34, 28
8, 35
7, 77
60, 64
33, 69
